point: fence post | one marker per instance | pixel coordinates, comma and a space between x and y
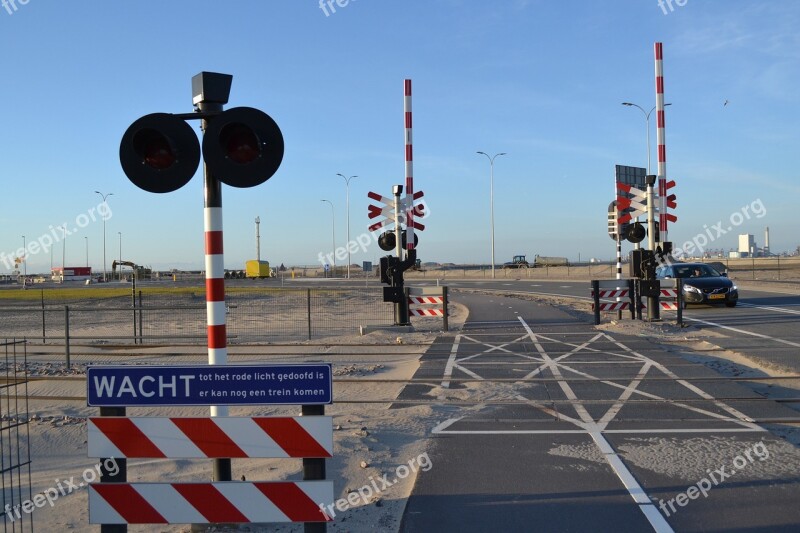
313, 469
632, 297
66, 334
140, 318
445, 321
43, 320
596, 298
679, 300
308, 305
105, 472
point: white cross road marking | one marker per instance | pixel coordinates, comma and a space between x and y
561, 367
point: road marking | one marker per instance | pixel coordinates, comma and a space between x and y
626, 394
759, 335
700, 392
638, 494
771, 308
448, 370
441, 429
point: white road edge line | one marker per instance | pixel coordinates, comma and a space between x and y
759, 335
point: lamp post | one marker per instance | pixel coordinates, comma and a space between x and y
333, 234
491, 196
104, 196
63, 253
87, 251
647, 125
24, 262
258, 240
347, 187
119, 265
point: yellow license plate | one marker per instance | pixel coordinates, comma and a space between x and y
716, 296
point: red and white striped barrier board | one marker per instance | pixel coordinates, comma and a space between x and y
612, 293
669, 293
420, 300
613, 306
426, 312
669, 306
426, 296
206, 503
216, 437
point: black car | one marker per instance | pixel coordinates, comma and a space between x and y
701, 283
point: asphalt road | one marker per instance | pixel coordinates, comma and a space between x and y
765, 326
614, 439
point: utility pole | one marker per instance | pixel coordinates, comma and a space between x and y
258, 240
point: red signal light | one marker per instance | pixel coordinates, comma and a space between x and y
240, 143
154, 149
159, 153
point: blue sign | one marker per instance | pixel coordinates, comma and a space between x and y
297, 384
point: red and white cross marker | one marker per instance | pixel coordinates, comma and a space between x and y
637, 203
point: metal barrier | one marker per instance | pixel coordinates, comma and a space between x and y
15, 450
428, 302
159, 316
675, 296
612, 288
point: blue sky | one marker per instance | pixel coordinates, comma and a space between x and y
540, 80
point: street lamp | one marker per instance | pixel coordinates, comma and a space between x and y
64, 254
119, 265
104, 196
333, 234
491, 197
347, 187
24, 262
87, 251
647, 125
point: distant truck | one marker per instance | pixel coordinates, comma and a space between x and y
518, 261
541, 260
257, 269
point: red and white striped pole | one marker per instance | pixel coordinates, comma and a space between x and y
215, 285
409, 167
661, 142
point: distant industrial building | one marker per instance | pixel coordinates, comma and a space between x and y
71, 274
747, 245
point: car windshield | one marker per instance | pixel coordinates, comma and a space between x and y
695, 271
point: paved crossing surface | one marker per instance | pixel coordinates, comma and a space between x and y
558, 426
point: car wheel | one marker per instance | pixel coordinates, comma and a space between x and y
730, 304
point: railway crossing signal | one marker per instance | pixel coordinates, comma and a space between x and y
159, 153
387, 210
242, 147
637, 203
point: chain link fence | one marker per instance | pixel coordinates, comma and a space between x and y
179, 316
